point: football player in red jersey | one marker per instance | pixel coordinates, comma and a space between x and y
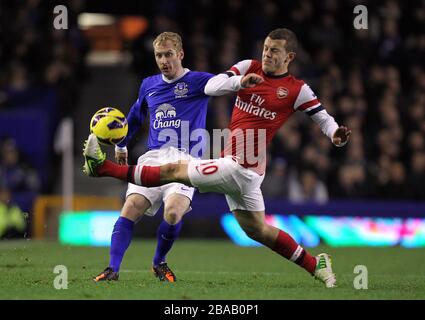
266, 97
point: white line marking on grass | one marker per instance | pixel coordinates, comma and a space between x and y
208, 272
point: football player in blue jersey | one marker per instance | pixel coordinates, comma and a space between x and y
177, 105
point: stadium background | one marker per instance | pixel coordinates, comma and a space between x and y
372, 81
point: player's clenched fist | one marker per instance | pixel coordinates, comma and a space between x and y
121, 157
251, 80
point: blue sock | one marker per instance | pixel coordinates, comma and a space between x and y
166, 234
120, 240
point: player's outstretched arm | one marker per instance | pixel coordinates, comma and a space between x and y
338, 134
308, 103
222, 84
225, 83
233, 79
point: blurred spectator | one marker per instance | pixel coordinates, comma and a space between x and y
275, 183
14, 172
35, 55
417, 176
394, 188
416, 141
351, 183
308, 188
12, 220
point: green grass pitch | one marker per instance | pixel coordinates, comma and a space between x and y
205, 270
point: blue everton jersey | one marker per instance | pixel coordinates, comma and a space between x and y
176, 109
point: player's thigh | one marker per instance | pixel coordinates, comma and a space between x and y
175, 206
251, 199
223, 175
135, 206
249, 208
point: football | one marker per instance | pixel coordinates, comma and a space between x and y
109, 125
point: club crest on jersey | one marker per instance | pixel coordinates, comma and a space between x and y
180, 90
164, 117
282, 92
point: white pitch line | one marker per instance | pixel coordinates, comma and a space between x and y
256, 273
209, 272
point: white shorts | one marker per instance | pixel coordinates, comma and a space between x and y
157, 195
224, 175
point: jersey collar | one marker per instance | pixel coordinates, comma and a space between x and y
186, 70
283, 75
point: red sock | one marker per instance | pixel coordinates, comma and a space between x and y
286, 246
147, 176
111, 169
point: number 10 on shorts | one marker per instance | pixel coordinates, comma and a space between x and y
207, 168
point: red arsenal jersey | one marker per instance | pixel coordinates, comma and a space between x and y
260, 111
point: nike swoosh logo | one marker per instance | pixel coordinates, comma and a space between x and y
184, 189
151, 93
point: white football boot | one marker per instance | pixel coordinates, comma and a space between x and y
323, 270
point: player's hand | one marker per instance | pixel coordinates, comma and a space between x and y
251, 80
121, 157
341, 135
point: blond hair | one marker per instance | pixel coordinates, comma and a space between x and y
172, 36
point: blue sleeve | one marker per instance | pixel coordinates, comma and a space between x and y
203, 79
136, 116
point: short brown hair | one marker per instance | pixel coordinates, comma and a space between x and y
172, 36
291, 44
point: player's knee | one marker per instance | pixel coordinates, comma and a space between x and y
172, 217
132, 210
130, 213
172, 214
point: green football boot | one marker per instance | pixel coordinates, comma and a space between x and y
93, 156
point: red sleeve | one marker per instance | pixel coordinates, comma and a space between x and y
241, 68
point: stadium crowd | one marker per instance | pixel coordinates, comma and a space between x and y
372, 80
35, 55
40, 71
